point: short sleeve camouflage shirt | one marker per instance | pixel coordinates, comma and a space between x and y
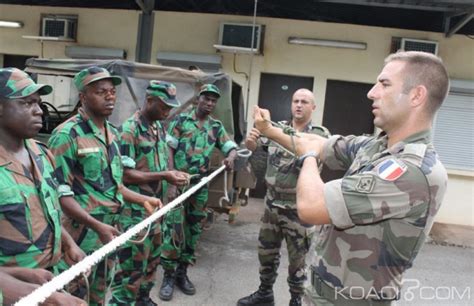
381, 211
146, 144
282, 171
194, 143
30, 226
89, 163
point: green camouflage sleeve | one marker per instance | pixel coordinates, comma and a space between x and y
223, 141
371, 196
339, 151
64, 150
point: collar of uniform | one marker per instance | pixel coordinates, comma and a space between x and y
7, 159
95, 129
307, 128
193, 116
143, 124
420, 137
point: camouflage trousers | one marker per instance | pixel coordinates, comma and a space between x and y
101, 274
135, 274
181, 230
278, 224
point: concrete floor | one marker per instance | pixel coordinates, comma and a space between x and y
227, 268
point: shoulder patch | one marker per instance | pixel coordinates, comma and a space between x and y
365, 184
391, 169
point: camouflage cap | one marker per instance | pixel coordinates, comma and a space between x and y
165, 91
210, 88
15, 83
93, 74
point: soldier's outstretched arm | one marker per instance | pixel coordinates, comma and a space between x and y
304, 142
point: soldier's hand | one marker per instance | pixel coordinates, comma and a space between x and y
252, 138
177, 178
261, 119
107, 233
59, 298
36, 276
151, 204
73, 254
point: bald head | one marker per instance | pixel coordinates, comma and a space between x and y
302, 106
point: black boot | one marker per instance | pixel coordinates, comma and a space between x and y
167, 287
145, 301
182, 280
262, 297
295, 299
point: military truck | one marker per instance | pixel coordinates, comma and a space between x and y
63, 103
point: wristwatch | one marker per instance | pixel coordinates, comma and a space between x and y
304, 156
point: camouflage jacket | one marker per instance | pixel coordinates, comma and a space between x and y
194, 144
146, 145
89, 163
282, 171
30, 226
381, 211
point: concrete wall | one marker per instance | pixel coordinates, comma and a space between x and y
96, 28
196, 33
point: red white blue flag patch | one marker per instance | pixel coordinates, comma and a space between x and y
390, 170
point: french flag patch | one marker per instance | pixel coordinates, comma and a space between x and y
390, 170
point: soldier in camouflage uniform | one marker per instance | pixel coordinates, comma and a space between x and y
89, 171
193, 136
378, 215
280, 219
143, 139
31, 235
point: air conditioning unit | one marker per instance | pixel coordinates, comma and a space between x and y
63, 27
409, 44
237, 38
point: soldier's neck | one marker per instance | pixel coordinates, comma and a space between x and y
10, 142
299, 125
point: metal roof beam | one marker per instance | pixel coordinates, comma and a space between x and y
459, 25
401, 5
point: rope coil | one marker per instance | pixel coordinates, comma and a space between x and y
40, 294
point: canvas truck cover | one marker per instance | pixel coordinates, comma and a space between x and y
131, 93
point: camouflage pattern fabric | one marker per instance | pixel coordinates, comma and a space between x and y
282, 172
280, 218
381, 212
30, 215
89, 164
15, 83
193, 146
146, 145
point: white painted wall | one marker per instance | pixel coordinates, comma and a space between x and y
196, 33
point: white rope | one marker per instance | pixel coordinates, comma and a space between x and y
42, 293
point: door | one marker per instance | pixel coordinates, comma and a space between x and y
17, 61
347, 111
276, 91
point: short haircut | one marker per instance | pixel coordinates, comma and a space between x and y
425, 69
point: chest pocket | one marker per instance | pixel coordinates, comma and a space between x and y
90, 159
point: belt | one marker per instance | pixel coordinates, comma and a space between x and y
327, 292
280, 196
